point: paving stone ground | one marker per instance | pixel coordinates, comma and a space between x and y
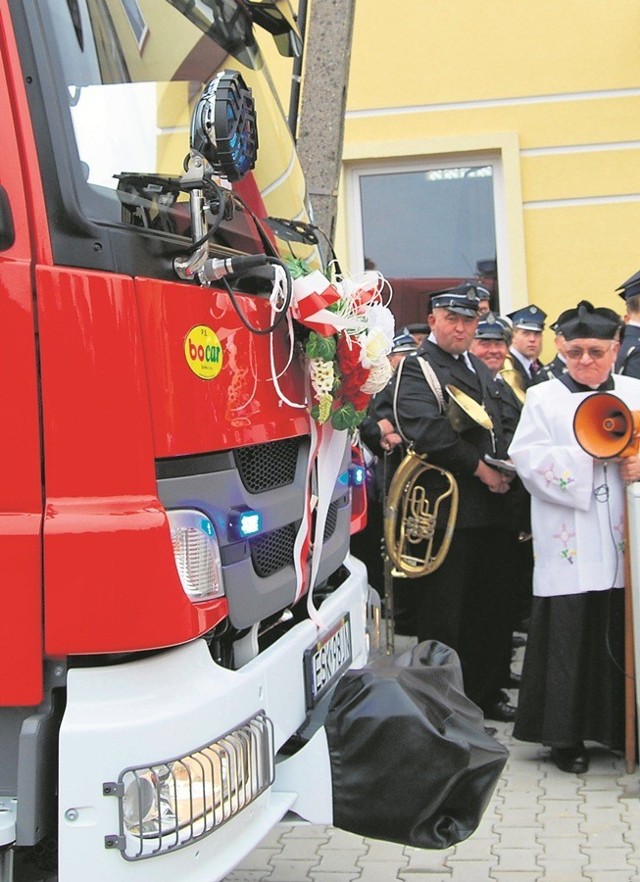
542, 825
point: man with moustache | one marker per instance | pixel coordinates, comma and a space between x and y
456, 603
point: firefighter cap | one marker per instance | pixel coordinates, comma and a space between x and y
404, 343
529, 318
463, 299
630, 288
493, 327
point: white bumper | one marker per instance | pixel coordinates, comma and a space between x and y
165, 706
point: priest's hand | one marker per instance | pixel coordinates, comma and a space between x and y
629, 468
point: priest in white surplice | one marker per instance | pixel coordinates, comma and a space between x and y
572, 687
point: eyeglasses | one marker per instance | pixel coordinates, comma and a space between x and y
594, 352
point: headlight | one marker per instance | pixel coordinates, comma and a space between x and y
197, 554
171, 804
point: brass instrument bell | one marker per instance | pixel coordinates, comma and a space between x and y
463, 411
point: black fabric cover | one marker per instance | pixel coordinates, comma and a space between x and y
410, 759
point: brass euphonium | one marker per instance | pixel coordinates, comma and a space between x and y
411, 518
413, 514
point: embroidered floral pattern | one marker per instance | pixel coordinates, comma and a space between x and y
621, 543
562, 481
565, 536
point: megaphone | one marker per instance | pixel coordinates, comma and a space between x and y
464, 412
605, 427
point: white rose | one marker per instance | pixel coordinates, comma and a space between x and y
375, 346
379, 376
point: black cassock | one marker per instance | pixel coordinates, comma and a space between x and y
572, 685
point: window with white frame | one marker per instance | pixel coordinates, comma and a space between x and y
136, 20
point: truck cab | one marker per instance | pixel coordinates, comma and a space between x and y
178, 597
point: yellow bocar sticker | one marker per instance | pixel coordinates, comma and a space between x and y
203, 352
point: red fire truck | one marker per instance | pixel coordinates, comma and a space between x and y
158, 538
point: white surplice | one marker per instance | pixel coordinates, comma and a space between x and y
577, 503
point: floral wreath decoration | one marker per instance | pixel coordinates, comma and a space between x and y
346, 331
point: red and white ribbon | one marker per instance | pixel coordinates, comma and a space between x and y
329, 464
312, 294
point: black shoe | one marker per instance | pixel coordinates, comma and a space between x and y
571, 759
501, 711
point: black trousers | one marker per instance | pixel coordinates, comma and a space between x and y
468, 605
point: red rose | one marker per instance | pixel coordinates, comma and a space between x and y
348, 352
352, 382
360, 400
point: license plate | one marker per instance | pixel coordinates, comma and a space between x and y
325, 661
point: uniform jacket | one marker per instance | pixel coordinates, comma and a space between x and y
628, 360
520, 368
517, 497
511, 407
422, 421
385, 465
554, 368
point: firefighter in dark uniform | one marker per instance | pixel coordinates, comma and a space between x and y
381, 462
526, 341
558, 365
460, 604
491, 344
628, 360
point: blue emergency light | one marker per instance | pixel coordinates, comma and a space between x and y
354, 476
244, 522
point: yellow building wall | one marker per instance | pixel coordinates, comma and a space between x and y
553, 88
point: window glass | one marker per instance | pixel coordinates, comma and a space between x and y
136, 19
430, 228
130, 106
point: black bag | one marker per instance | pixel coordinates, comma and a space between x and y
410, 759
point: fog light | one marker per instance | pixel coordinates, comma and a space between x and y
224, 126
197, 554
173, 803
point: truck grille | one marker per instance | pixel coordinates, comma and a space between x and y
264, 467
331, 522
274, 551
